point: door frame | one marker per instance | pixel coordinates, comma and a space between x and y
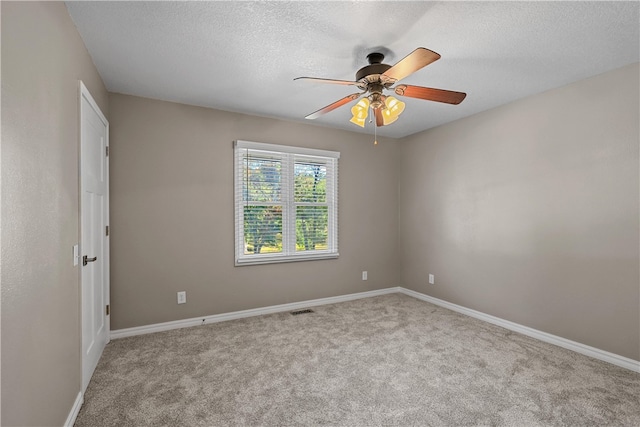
86, 95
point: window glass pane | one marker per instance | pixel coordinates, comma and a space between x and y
262, 179
311, 228
310, 182
262, 229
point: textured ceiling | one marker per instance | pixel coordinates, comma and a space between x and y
243, 56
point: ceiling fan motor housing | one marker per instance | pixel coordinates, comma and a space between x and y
375, 66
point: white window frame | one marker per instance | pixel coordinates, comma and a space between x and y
289, 156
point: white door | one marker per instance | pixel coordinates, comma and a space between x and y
94, 246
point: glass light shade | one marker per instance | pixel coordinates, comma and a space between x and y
360, 112
358, 121
388, 119
394, 104
393, 110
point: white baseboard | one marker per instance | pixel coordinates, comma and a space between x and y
596, 353
186, 323
75, 409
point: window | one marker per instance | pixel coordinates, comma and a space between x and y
286, 203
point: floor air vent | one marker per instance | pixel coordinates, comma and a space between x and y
295, 313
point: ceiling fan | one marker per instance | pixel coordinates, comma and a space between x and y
376, 77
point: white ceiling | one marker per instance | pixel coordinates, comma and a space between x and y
243, 56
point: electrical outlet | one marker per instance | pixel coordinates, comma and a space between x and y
432, 279
364, 275
182, 297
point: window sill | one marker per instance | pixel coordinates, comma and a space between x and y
275, 259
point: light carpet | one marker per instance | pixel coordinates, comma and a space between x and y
390, 360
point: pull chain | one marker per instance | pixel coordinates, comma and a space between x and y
375, 126
375, 130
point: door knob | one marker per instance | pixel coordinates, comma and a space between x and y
86, 260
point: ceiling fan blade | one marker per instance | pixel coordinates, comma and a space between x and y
379, 120
411, 63
430, 94
336, 82
331, 107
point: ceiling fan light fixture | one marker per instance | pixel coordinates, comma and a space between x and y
360, 112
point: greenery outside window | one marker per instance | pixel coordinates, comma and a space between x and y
286, 203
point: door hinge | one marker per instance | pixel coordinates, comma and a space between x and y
107, 151
107, 309
107, 231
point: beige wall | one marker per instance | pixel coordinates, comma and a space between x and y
42, 59
172, 214
529, 212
